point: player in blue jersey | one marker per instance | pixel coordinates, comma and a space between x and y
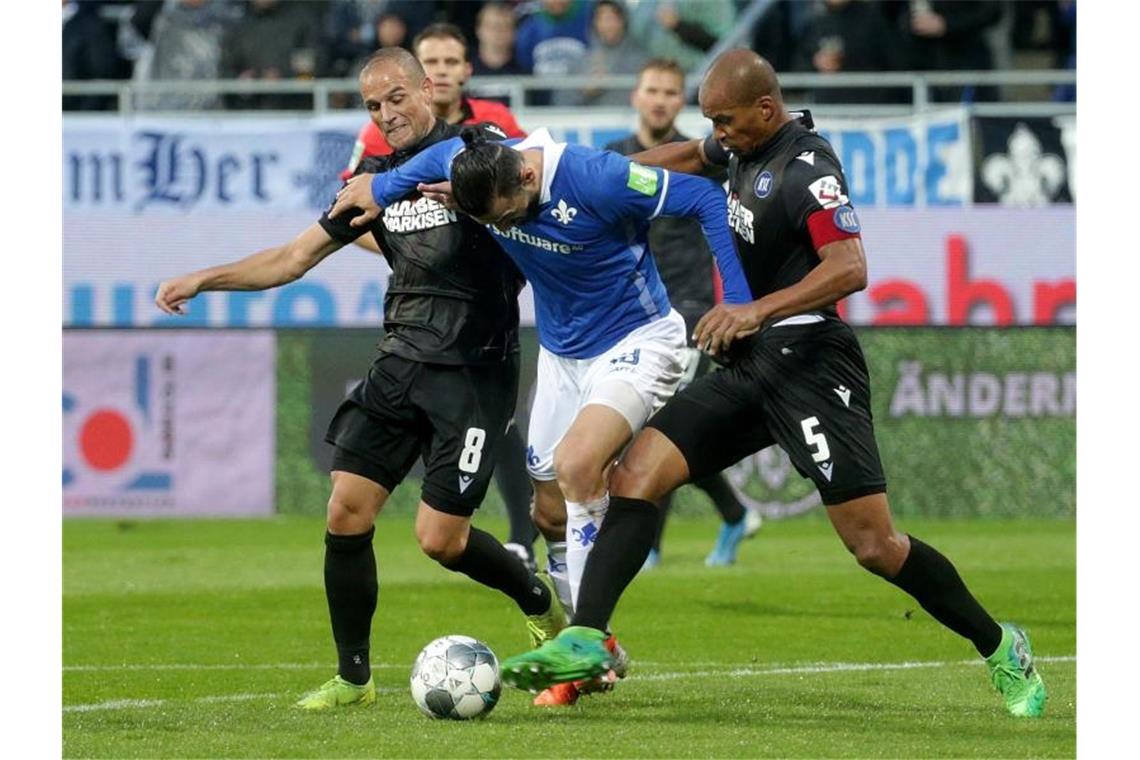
575, 221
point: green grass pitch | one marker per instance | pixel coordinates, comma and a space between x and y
193, 639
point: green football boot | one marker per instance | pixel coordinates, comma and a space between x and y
337, 692
1014, 675
545, 626
576, 653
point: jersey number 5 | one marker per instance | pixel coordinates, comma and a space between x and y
815, 439
472, 452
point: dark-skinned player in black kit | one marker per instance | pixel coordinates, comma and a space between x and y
796, 377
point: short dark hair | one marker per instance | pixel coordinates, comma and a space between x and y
484, 171
661, 64
441, 30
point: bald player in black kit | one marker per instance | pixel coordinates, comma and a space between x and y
795, 376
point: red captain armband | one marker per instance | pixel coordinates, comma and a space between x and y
831, 224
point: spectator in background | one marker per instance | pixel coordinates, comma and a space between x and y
495, 31
391, 31
777, 32
948, 35
89, 52
1065, 47
851, 36
612, 52
186, 43
348, 36
683, 31
274, 41
551, 41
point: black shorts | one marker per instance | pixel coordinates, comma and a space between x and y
804, 387
454, 416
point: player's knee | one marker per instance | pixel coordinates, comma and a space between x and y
881, 555
579, 474
347, 516
444, 548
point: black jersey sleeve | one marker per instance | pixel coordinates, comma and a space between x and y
715, 153
340, 229
813, 181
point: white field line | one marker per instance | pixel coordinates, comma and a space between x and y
717, 668
727, 670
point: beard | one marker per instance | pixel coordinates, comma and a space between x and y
532, 210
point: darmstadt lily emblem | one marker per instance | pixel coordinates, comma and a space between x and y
564, 213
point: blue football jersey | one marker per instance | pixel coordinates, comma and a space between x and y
587, 255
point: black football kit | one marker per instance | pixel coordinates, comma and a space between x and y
801, 381
445, 382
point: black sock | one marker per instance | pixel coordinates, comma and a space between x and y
934, 583
663, 508
486, 561
351, 589
619, 551
515, 488
725, 501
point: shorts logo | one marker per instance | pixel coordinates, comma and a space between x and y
531, 457
586, 535
846, 220
825, 468
763, 184
464, 482
844, 394
633, 357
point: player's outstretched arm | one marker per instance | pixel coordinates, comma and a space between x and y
260, 271
685, 157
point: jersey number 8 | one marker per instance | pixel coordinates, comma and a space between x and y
472, 452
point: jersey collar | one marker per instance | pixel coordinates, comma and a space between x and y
551, 156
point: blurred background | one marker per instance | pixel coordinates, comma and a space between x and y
198, 131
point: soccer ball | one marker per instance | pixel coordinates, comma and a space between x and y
456, 677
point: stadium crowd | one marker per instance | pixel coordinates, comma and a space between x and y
306, 39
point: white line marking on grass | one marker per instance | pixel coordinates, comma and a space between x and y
729, 669
120, 704
822, 667
219, 666
115, 704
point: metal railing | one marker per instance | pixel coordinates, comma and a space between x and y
132, 95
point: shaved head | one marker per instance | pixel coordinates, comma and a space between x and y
740, 94
739, 77
398, 58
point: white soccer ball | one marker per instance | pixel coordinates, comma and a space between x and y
456, 677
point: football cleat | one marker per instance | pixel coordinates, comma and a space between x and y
620, 663
1013, 673
337, 692
575, 654
558, 695
545, 626
727, 542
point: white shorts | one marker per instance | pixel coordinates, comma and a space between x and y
635, 378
